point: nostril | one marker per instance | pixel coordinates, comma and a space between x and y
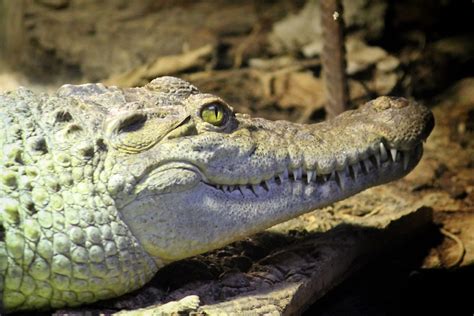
399, 103
381, 103
385, 103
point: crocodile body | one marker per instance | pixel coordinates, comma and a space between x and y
100, 187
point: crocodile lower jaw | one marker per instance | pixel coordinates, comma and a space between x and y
393, 162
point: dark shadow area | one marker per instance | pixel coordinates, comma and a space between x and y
435, 28
394, 284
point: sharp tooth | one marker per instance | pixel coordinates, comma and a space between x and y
406, 159
309, 175
353, 171
295, 175
231, 188
218, 186
346, 171
393, 153
383, 152
366, 164
281, 178
266, 184
377, 160
254, 188
225, 188
339, 179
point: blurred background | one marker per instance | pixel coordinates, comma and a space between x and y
264, 58
260, 55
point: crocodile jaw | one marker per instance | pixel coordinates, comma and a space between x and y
236, 184
207, 216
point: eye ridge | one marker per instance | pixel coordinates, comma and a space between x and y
210, 113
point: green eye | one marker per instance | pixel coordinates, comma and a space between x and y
214, 113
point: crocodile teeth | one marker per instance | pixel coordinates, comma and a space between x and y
353, 171
406, 159
383, 152
297, 174
385, 156
339, 179
377, 160
393, 153
280, 177
254, 188
347, 170
366, 164
266, 185
362, 167
309, 175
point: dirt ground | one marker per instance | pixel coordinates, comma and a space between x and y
263, 57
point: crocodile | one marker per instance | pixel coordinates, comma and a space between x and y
101, 186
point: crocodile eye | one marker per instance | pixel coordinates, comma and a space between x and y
214, 113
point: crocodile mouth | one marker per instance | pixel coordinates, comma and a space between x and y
384, 160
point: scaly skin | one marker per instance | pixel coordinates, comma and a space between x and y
100, 187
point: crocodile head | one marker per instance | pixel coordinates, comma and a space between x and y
189, 175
